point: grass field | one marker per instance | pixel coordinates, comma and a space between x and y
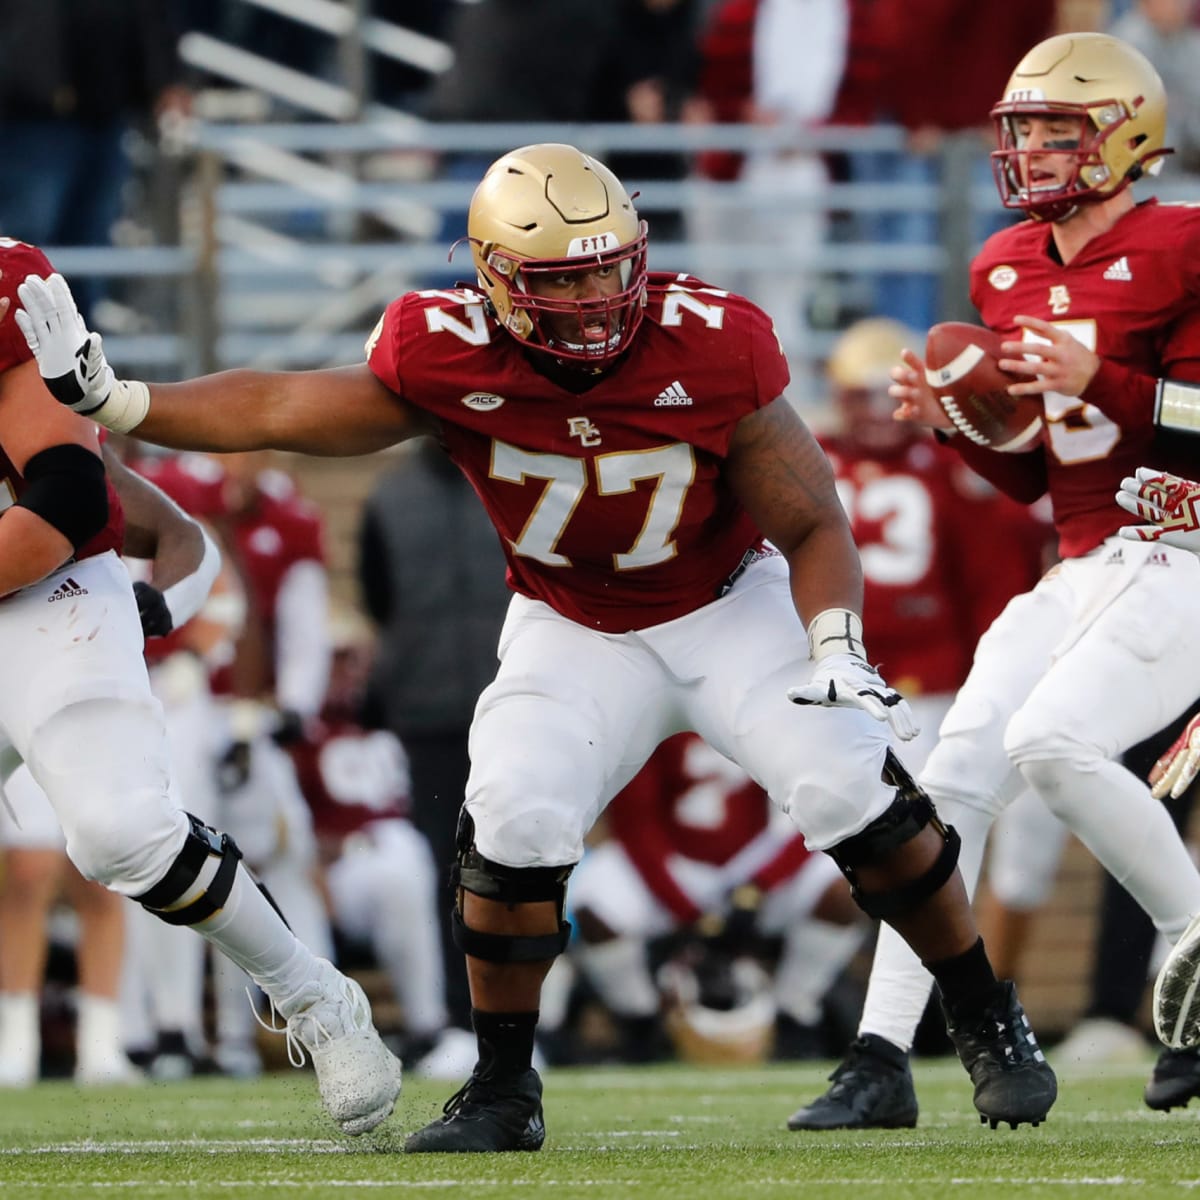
680, 1133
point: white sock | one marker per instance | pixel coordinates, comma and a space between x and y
251, 933
619, 972
20, 1037
1112, 812
899, 987
97, 1030
813, 956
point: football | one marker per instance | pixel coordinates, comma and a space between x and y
962, 367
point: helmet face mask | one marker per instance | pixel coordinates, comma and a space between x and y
542, 217
1113, 97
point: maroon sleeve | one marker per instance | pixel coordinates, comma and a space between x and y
1021, 476
383, 348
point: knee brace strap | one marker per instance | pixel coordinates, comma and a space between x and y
902, 821
508, 948
494, 881
184, 873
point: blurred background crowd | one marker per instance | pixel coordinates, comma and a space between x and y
250, 182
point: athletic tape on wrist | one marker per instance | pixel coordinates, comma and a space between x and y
124, 408
836, 631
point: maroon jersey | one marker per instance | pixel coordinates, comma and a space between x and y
942, 553
18, 260
690, 802
280, 529
350, 776
194, 481
1133, 296
610, 502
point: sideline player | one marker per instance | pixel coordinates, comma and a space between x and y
85, 723
1096, 296
629, 436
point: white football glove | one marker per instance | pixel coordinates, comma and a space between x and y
1169, 503
71, 358
1174, 773
847, 681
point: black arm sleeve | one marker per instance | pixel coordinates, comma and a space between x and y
65, 485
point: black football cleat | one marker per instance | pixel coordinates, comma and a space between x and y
486, 1115
872, 1089
1013, 1081
1175, 1079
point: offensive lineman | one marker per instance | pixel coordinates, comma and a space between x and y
1097, 296
86, 724
629, 436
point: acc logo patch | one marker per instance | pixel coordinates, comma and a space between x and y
1002, 278
482, 401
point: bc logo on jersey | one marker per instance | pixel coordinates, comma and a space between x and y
584, 430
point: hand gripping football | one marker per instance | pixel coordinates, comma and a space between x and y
962, 367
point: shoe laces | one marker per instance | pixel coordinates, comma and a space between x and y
472, 1093
296, 1042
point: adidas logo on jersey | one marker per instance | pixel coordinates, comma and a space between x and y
672, 396
66, 590
1119, 270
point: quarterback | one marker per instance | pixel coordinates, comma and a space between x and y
628, 434
86, 724
1098, 297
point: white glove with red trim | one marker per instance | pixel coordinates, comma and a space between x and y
1174, 773
1170, 504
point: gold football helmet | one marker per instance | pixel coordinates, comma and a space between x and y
548, 210
1122, 102
864, 355
859, 372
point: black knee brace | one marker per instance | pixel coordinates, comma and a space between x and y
905, 817
509, 885
203, 843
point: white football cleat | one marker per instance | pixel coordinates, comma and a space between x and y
1177, 992
357, 1075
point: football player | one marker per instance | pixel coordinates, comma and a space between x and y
82, 717
943, 552
696, 844
183, 564
1097, 297
629, 436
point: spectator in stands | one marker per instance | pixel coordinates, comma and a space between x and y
435, 589
1165, 31
934, 68
74, 78
774, 62
648, 76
